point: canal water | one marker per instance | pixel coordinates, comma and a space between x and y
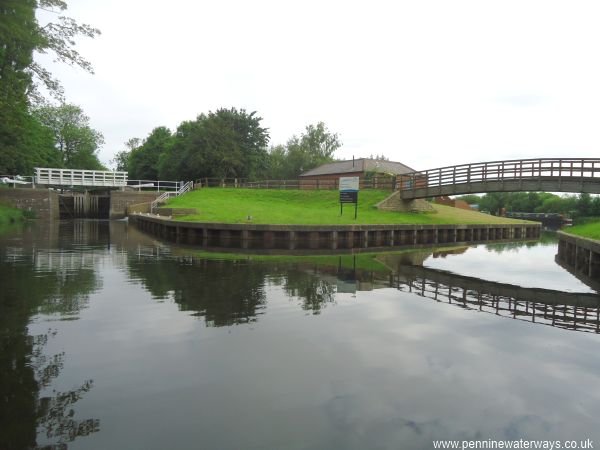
111, 339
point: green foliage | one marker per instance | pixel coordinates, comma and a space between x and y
314, 147
144, 160
24, 141
227, 143
122, 158
76, 142
57, 38
276, 206
539, 202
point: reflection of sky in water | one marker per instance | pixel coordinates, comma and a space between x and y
378, 369
381, 369
522, 266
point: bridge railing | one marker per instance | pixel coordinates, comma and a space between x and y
70, 177
185, 187
501, 170
155, 185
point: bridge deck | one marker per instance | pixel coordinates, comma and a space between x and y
68, 177
550, 175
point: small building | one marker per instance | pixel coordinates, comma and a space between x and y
376, 171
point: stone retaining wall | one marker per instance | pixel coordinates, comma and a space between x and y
43, 202
120, 200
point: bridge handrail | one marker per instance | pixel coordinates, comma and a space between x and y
183, 188
64, 177
159, 185
501, 170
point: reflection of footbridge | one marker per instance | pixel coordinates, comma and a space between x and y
548, 174
573, 311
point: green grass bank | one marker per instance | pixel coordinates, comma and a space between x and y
9, 215
588, 230
304, 207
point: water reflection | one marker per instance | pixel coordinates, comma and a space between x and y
572, 311
314, 352
223, 292
39, 282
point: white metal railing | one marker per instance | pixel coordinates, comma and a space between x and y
69, 177
158, 185
185, 187
16, 180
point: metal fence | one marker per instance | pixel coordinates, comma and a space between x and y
378, 182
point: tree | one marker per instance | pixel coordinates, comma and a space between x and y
76, 142
315, 146
276, 162
311, 149
144, 160
584, 206
24, 142
58, 38
227, 143
121, 159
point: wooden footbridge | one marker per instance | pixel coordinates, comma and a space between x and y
548, 175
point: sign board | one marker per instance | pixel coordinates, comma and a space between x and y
348, 197
349, 183
349, 192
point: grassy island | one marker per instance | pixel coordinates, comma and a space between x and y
311, 207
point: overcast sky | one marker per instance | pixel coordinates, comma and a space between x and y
426, 83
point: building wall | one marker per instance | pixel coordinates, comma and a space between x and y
43, 202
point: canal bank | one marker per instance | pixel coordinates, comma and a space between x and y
580, 256
292, 237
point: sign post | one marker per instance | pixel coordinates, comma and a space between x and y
349, 193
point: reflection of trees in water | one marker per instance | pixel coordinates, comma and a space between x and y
25, 371
314, 291
546, 238
223, 292
227, 292
54, 414
67, 292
